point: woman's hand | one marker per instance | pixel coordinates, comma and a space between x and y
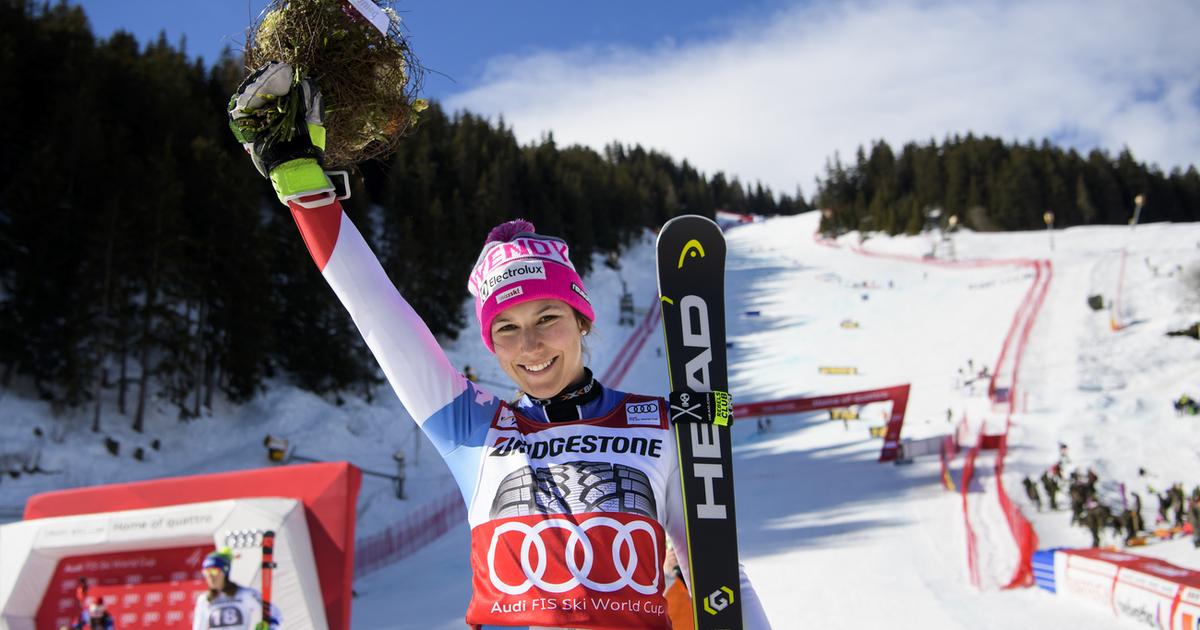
279, 117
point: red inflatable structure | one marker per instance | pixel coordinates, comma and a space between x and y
898, 395
328, 492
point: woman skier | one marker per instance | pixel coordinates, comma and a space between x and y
572, 488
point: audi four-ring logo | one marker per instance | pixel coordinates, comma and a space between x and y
243, 538
535, 570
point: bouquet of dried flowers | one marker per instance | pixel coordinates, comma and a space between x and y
358, 56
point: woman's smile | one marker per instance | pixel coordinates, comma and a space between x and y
539, 366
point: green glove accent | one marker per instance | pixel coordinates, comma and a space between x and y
278, 116
300, 177
316, 134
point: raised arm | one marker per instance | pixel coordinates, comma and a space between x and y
409, 354
414, 364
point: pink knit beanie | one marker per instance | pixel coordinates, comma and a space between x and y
518, 265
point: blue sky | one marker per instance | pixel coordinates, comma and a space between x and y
769, 90
454, 38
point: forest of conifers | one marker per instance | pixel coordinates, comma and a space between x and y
142, 257
992, 185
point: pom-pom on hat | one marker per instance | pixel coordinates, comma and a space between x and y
518, 265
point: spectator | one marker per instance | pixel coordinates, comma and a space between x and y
1164, 503
1050, 483
1095, 518
1115, 522
1092, 478
1138, 524
1177, 503
1194, 517
94, 617
1078, 499
1127, 522
1031, 491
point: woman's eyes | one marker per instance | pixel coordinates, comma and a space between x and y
544, 320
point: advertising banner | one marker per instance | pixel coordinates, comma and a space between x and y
1147, 591
142, 589
898, 395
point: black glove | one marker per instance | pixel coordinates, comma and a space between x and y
279, 118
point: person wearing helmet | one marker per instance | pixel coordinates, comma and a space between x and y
226, 605
572, 487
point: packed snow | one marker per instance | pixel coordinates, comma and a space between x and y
829, 536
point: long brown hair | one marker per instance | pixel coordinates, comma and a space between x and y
229, 589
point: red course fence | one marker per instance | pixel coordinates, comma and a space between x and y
1020, 526
408, 535
1013, 349
628, 353
967, 473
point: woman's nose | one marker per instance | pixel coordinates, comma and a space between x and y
530, 339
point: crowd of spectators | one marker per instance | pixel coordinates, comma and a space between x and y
1099, 505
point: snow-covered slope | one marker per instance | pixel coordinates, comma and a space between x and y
830, 537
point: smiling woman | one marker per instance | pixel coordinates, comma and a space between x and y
572, 488
539, 345
532, 308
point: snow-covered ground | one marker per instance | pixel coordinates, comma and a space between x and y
830, 537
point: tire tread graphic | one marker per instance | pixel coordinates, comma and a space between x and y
575, 488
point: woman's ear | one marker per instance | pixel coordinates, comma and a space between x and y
585, 326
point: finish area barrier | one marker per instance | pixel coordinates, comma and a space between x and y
898, 395
1141, 590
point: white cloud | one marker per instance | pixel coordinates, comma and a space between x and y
775, 98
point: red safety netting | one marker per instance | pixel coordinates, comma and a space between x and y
620, 365
408, 535
1020, 526
967, 473
1000, 391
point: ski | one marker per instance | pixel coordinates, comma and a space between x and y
268, 567
691, 287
